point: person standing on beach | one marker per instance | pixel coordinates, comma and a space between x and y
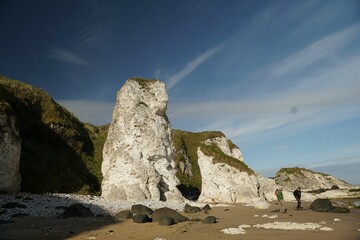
280, 198
297, 195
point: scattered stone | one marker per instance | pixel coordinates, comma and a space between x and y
13, 205
191, 209
210, 220
337, 220
77, 210
125, 214
141, 209
206, 212
141, 218
206, 207
161, 213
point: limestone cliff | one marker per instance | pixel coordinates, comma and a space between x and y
211, 164
10, 149
138, 156
56, 149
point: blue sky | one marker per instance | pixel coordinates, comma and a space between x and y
280, 78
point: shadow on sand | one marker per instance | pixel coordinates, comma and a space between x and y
30, 216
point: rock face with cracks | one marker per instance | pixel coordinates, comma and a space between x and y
223, 183
138, 155
10, 149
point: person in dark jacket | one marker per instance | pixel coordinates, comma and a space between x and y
297, 195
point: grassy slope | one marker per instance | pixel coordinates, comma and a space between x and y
57, 153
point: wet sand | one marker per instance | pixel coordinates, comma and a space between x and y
228, 217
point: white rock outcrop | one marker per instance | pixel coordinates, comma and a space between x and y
306, 179
10, 149
138, 155
222, 183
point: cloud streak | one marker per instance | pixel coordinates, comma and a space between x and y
329, 95
191, 66
315, 52
67, 57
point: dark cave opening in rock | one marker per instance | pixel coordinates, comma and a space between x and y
188, 192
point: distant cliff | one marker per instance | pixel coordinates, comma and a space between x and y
291, 178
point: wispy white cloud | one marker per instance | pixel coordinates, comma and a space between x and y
329, 96
315, 52
191, 66
67, 56
92, 21
322, 14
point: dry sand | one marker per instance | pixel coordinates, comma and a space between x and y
228, 217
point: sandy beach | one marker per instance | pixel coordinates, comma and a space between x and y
341, 226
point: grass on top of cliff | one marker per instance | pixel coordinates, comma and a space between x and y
187, 143
57, 150
297, 171
294, 171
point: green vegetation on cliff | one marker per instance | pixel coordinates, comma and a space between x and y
57, 150
187, 143
296, 171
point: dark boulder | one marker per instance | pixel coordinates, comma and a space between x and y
206, 207
324, 205
164, 212
166, 221
191, 209
141, 218
321, 205
77, 210
141, 209
125, 214
210, 220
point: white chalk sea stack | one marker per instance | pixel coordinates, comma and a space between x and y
138, 155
